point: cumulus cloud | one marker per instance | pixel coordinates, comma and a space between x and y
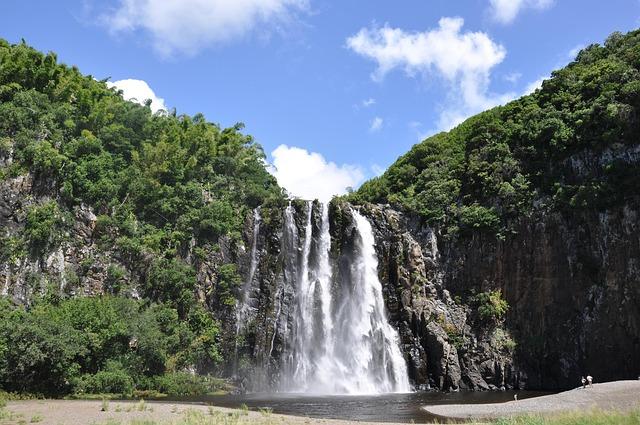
138, 91
505, 11
463, 59
187, 26
376, 124
308, 175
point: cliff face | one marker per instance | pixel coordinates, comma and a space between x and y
443, 347
571, 280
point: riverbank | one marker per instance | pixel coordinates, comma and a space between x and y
90, 412
619, 396
602, 401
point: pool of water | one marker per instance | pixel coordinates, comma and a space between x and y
379, 408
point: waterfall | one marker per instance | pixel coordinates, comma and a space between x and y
370, 349
341, 341
243, 307
304, 324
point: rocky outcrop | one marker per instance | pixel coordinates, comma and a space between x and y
573, 285
447, 347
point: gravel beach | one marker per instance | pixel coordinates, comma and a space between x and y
618, 395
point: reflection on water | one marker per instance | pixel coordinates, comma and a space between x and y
380, 408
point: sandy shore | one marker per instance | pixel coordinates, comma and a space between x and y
81, 412
619, 395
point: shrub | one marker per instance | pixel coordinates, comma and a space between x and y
503, 341
42, 226
490, 305
186, 384
105, 382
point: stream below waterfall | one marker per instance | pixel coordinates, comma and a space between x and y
403, 408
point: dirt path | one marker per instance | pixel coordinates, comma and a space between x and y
81, 412
619, 395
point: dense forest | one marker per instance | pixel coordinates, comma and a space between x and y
163, 187
511, 160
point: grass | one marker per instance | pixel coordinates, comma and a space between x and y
594, 417
36, 418
241, 417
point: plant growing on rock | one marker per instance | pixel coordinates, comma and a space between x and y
490, 305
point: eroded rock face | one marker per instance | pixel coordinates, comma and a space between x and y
573, 285
446, 347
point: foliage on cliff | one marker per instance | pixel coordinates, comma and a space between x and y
498, 165
175, 176
165, 189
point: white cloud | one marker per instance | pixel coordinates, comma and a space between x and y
574, 52
534, 85
187, 26
505, 11
378, 170
463, 59
513, 77
368, 102
138, 91
376, 124
309, 175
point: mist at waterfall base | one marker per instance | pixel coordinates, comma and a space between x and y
399, 408
337, 339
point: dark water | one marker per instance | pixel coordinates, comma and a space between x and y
380, 408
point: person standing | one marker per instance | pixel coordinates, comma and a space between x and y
590, 380
584, 382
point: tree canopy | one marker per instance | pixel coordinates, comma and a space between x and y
503, 163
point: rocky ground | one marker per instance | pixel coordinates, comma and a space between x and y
620, 396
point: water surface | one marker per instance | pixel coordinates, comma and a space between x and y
378, 408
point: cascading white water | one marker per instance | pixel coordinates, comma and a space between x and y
371, 350
341, 344
304, 324
243, 307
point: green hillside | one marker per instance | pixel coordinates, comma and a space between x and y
506, 162
164, 187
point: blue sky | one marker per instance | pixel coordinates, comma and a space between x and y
334, 90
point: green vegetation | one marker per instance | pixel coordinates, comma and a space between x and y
503, 340
490, 305
104, 345
161, 184
512, 160
165, 189
595, 417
